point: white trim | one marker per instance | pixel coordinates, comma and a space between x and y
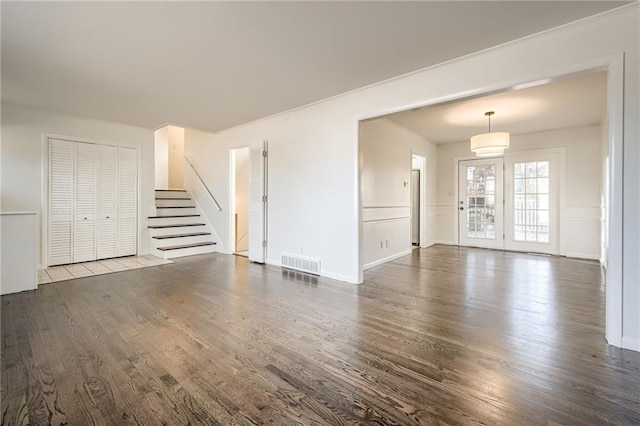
387, 259
630, 343
586, 256
16, 213
325, 274
44, 220
441, 242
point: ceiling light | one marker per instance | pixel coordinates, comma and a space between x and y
490, 144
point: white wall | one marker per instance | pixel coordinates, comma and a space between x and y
161, 156
23, 132
242, 199
313, 164
176, 157
386, 150
580, 231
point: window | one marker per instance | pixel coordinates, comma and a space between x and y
531, 201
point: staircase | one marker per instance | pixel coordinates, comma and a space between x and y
178, 229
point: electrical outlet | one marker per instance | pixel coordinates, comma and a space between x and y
386, 243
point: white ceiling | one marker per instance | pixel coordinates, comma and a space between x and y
570, 102
213, 65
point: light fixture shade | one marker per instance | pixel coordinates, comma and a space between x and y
490, 144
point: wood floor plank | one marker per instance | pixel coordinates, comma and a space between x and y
446, 335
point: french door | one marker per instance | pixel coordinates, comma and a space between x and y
480, 207
510, 203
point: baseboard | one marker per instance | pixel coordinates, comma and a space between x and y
583, 256
386, 259
436, 242
631, 343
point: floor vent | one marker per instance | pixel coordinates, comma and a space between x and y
301, 263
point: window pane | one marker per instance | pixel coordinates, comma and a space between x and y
543, 234
543, 218
519, 202
531, 186
519, 217
531, 233
531, 202
543, 202
543, 169
531, 169
519, 186
543, 185
490, 201
519, 233
518, 170
491, 186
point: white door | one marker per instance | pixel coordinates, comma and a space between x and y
107, 231
531, 200
60, 214
127, 201
84, 229
480, 204
258, 203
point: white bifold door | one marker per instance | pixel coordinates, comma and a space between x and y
92, 202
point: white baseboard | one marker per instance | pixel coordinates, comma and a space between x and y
631, 343
583, 256
443, 242
386, 259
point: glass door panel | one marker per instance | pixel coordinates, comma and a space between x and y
480, 203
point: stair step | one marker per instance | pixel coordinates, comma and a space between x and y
171, 190
195, 234
176, 207
179, 215
173, 198
210, 243
179, 225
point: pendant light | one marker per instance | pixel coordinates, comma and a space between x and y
490, 144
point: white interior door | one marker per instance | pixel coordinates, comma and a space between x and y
107, 231
531, 200
258, 203
127, 201
60, 214
480, 204
84, 230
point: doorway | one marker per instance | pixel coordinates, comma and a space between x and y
418, 189
240, 176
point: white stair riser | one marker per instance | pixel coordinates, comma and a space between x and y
176, 202
171, 194
167, 242
175, 212
174, 220
178, 230
170, 254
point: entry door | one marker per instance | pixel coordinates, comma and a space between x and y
531, 200
480, 205
258, 203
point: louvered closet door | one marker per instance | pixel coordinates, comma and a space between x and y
84, 231
60, 229
107, 231
127, 197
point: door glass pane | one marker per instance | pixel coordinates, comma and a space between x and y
481, 195
531, 201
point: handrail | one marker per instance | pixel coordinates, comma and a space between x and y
203, 184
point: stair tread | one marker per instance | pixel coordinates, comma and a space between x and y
176, 207
172, 190
194, 234
208, 243
177, 225
174, 216
173, 198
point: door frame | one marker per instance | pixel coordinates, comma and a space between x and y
423, 196
44, 201
232, 196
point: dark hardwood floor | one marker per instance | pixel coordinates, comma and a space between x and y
445, 336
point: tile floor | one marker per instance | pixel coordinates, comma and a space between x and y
87, 269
